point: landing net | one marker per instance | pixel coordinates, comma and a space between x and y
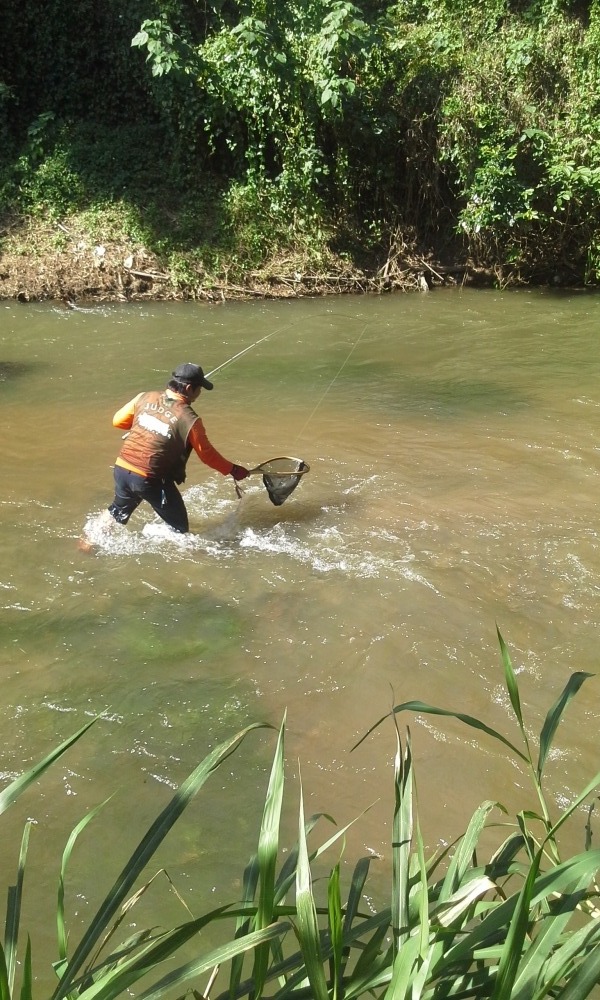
281, 476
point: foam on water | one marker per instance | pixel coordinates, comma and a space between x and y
221, 528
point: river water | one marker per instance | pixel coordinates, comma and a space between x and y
453, 442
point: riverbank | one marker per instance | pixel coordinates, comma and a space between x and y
48, 260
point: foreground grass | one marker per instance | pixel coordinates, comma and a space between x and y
522, 924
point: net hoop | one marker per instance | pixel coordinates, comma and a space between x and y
272, 467
280, 477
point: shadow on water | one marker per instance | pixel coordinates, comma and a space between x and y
134, 625
12, 370
457, 398
401, 393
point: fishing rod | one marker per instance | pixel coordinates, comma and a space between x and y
245, 351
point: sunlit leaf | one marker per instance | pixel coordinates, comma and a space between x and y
27, 975
554, 715
307, 929
144, 851
511, 682
423, 708
268, 845
13, 911
11, 793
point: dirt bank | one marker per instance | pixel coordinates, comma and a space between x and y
56, 262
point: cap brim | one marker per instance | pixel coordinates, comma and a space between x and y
206, 384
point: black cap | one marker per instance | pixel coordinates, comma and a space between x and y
191, 375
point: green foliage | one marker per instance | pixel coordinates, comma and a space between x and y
314, 121
517, 129
522, 926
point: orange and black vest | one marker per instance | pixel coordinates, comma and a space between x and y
157, 443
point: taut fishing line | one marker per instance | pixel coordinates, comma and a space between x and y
281, 476
334, 379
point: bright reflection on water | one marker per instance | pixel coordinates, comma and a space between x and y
453, 445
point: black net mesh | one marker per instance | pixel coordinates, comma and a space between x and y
281, 476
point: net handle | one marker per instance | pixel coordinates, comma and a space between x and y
260, 470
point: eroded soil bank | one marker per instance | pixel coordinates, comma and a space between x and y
42, 261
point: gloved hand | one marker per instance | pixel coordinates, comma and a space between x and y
239, 472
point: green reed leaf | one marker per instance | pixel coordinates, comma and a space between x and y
463, 855
513, 946
404, 965
554, 716
244, 923
402, 832
27, 977
335, 921
357, 884
423, 708
13, 911
461, 901
60, 906
307, 929
562, 878
534, 962
121, 978
11, 793
427, 947
587, 977
5, 993
562, 962
268, 847
144, 851
574, 805
373, 956
511, 683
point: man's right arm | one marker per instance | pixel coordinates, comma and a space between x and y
123, 418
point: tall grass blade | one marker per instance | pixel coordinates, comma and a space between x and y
512, 950
60, 906
290, 866
307, 929
534, 963
120, 979
564, 960
585, 979
511, 684
13, 912
427, 950
554, 715
243, 923
562, 878
371, 958
27, 977
144, 851
287, 875
334, 908
268, 847
11, 793
4, 988
460, 902
357, 884
402, 832
463, 856
424, 709
403, 969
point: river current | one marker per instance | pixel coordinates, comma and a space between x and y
453, 442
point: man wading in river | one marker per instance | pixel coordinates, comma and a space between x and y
163, 430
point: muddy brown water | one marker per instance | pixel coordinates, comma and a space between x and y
453, 440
